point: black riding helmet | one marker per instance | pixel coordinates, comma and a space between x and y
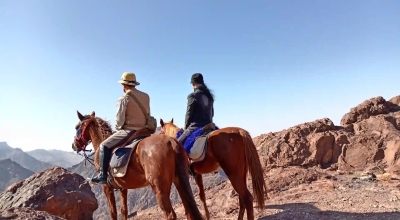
197, 78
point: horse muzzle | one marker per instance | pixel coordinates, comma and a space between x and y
75, 148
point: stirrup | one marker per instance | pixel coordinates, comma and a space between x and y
99, 179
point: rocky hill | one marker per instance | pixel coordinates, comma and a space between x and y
57, 157
22, 158
11, 172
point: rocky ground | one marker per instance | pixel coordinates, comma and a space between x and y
334, 195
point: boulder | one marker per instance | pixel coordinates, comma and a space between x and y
371, 107
56, 191
307, 144
374, 138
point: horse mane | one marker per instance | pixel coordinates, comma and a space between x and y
101, 128
172, 130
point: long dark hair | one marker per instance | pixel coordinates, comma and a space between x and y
203, 87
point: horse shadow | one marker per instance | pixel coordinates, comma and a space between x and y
307, 211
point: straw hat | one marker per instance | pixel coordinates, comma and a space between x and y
128, 78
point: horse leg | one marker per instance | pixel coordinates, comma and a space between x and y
245, 198
182, 194
124, 203
162, 192
237, 177
200, 187
242, 208
109, 192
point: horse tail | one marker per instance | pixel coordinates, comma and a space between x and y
255, 168
181, 161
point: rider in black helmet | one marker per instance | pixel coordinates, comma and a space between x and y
200, 107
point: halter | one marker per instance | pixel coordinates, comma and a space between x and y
80, 139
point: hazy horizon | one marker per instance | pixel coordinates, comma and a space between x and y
69, 151
271, 64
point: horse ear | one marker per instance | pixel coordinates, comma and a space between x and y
172, 120
161, 122
80, 116
93, 114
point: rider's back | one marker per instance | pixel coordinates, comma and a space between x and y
134, 117
203, 110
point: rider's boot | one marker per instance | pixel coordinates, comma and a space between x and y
104, 156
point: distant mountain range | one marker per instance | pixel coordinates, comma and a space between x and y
11, 172
39, 160
16, 165
22, 158
57, 157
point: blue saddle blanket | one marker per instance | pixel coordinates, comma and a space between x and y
188, 144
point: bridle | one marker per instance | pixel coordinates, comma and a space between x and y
81, 142
79, 138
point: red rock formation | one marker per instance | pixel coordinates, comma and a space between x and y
307, 144
370, 107
55, 191
371, 136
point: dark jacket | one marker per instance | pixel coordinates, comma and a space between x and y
200, 109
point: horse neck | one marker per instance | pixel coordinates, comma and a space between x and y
97, 135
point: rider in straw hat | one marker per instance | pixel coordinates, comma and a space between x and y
129, 119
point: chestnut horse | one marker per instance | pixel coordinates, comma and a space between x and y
158, 161
233, 150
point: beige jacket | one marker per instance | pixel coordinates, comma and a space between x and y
129, 115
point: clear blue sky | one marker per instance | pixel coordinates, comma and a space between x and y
271, 64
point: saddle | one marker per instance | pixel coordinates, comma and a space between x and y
199, 149
122, 152
208, 128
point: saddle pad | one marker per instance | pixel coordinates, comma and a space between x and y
198, 147
121, 157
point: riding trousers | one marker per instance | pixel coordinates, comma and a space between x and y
187, 132
117, 138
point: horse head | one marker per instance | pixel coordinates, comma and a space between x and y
169, 128
82, 137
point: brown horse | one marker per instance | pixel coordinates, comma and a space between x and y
233, 150
157, 161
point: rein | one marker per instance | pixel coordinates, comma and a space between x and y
80, 139
82, 142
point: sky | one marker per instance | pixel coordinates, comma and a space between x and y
271, 64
